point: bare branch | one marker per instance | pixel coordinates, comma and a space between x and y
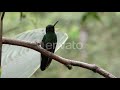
62, 60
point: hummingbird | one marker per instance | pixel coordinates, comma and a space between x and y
49, 43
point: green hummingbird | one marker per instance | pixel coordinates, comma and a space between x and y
49, 43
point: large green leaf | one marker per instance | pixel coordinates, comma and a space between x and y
21, 62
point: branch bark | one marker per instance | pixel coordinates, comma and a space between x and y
62, 60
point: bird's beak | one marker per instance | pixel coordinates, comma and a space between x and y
55, 23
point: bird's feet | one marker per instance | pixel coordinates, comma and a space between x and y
37, 43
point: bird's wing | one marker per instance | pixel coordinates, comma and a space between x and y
49, 46
45, 61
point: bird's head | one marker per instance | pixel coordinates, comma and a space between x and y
51, 28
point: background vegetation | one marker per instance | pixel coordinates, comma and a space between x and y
98, 31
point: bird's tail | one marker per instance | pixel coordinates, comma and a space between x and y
45, 62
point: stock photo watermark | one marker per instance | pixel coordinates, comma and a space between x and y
70, 45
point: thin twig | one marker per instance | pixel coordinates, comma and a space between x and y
1, 30
0, 39
62, 60
2, 16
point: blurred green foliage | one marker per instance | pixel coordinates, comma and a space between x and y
102, 46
